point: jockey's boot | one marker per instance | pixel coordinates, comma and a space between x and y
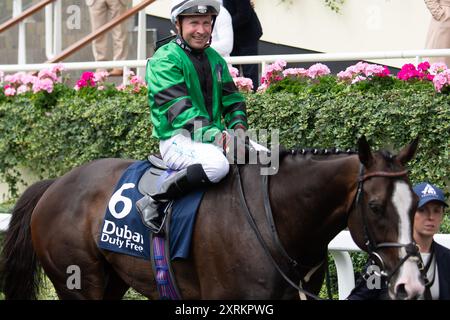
177, 185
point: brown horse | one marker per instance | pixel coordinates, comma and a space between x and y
314, 195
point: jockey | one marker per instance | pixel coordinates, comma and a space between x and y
193, 99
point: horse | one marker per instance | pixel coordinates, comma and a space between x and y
313, 196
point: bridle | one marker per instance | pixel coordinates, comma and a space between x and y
373, 247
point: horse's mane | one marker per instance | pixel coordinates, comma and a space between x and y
314, 151
387, 155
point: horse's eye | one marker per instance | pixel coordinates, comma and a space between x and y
376, 207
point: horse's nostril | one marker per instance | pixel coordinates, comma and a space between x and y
400, 292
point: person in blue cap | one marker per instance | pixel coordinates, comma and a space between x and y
436, 258
427, 221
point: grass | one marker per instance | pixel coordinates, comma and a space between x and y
48, 292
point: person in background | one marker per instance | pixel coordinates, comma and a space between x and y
222, 35
247, 31
436, 258
438, 36
100, 12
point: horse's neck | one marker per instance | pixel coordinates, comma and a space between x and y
311, 199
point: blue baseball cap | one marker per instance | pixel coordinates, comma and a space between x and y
428, 192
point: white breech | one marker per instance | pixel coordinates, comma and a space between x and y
180, 152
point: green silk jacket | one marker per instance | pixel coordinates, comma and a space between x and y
176, 94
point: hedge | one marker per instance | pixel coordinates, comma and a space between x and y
54, 132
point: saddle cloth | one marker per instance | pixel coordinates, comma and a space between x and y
123, 230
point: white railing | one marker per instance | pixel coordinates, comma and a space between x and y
4, 221
21, 47
53, 34
339, 248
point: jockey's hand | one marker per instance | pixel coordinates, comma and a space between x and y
239, 131
223, 141
240, 145
234, 143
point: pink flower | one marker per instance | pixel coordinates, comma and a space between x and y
263, 87
358, 79
22, 89
28, 79
243, 84
57, 68
233, 71
407, 72
48, 74
385, 73
363, 71
280, 64
346, 75
87, 75
9, 91
14, 78
373, 69
318, 70
136, 80
86, 80
438, 67
441, 80
424, 66
295, 72
100, 76
136, 83
43, 85
273, 72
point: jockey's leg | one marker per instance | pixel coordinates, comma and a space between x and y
198, 165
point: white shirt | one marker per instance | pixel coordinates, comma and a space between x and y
222, 35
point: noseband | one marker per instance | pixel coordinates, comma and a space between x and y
411, 248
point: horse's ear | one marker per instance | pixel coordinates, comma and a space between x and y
408, 152
365, 155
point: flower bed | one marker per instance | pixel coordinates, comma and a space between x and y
437, 74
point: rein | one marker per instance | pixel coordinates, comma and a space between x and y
269, 217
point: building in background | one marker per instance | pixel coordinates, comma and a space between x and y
305, 26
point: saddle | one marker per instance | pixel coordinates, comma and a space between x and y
152, 178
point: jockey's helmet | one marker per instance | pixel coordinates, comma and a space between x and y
193, 7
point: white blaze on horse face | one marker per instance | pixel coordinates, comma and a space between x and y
409, 274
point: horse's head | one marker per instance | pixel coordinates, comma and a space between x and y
381, 220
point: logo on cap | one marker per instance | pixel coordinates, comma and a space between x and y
202, 9
428, 190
